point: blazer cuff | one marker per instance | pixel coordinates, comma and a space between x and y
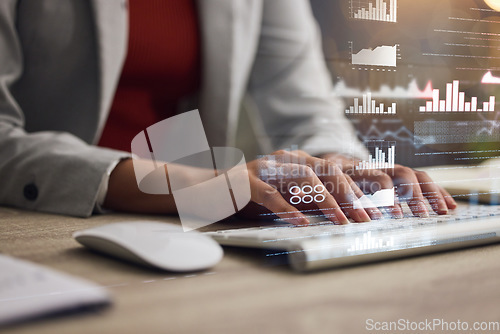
103, 188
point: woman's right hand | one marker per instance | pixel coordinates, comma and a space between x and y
286, 183
291, 183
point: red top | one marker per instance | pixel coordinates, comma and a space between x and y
162, 66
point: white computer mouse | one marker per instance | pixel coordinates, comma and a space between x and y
161, 245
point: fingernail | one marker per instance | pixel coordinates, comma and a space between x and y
397, 213
443, 210
422, 210
440, 208
344, 221
360, 216
375, 213
338, 217
340, 220
299, 219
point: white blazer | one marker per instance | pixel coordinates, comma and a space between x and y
60, 61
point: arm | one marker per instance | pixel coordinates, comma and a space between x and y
46, 171
289, 84
124, 195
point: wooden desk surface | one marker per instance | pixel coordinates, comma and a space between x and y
244, 294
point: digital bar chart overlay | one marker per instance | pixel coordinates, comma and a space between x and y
368, 242
376, 10
382, 155
455, 101
385, 55
369, 106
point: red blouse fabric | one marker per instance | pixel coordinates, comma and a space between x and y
162, 66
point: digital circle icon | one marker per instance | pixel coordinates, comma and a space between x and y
307, 194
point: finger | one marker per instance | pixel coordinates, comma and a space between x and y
270, 198
373, 180
410, 190
345, 195
450, 201
372, 211
396, 211
316, 194
331, 174
290, 168
313, 192
433, 193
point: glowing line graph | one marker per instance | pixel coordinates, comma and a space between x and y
401, 135
493, 123
410, 92
447, 132
481, 131
494, 127
383, 55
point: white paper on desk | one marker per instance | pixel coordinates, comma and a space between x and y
28, 290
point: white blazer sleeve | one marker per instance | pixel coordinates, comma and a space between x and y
45, 171
290, 84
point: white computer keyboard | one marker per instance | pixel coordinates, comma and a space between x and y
325, 245
268, 237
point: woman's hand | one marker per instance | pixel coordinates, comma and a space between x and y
278, 182
413, 187
290, 184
